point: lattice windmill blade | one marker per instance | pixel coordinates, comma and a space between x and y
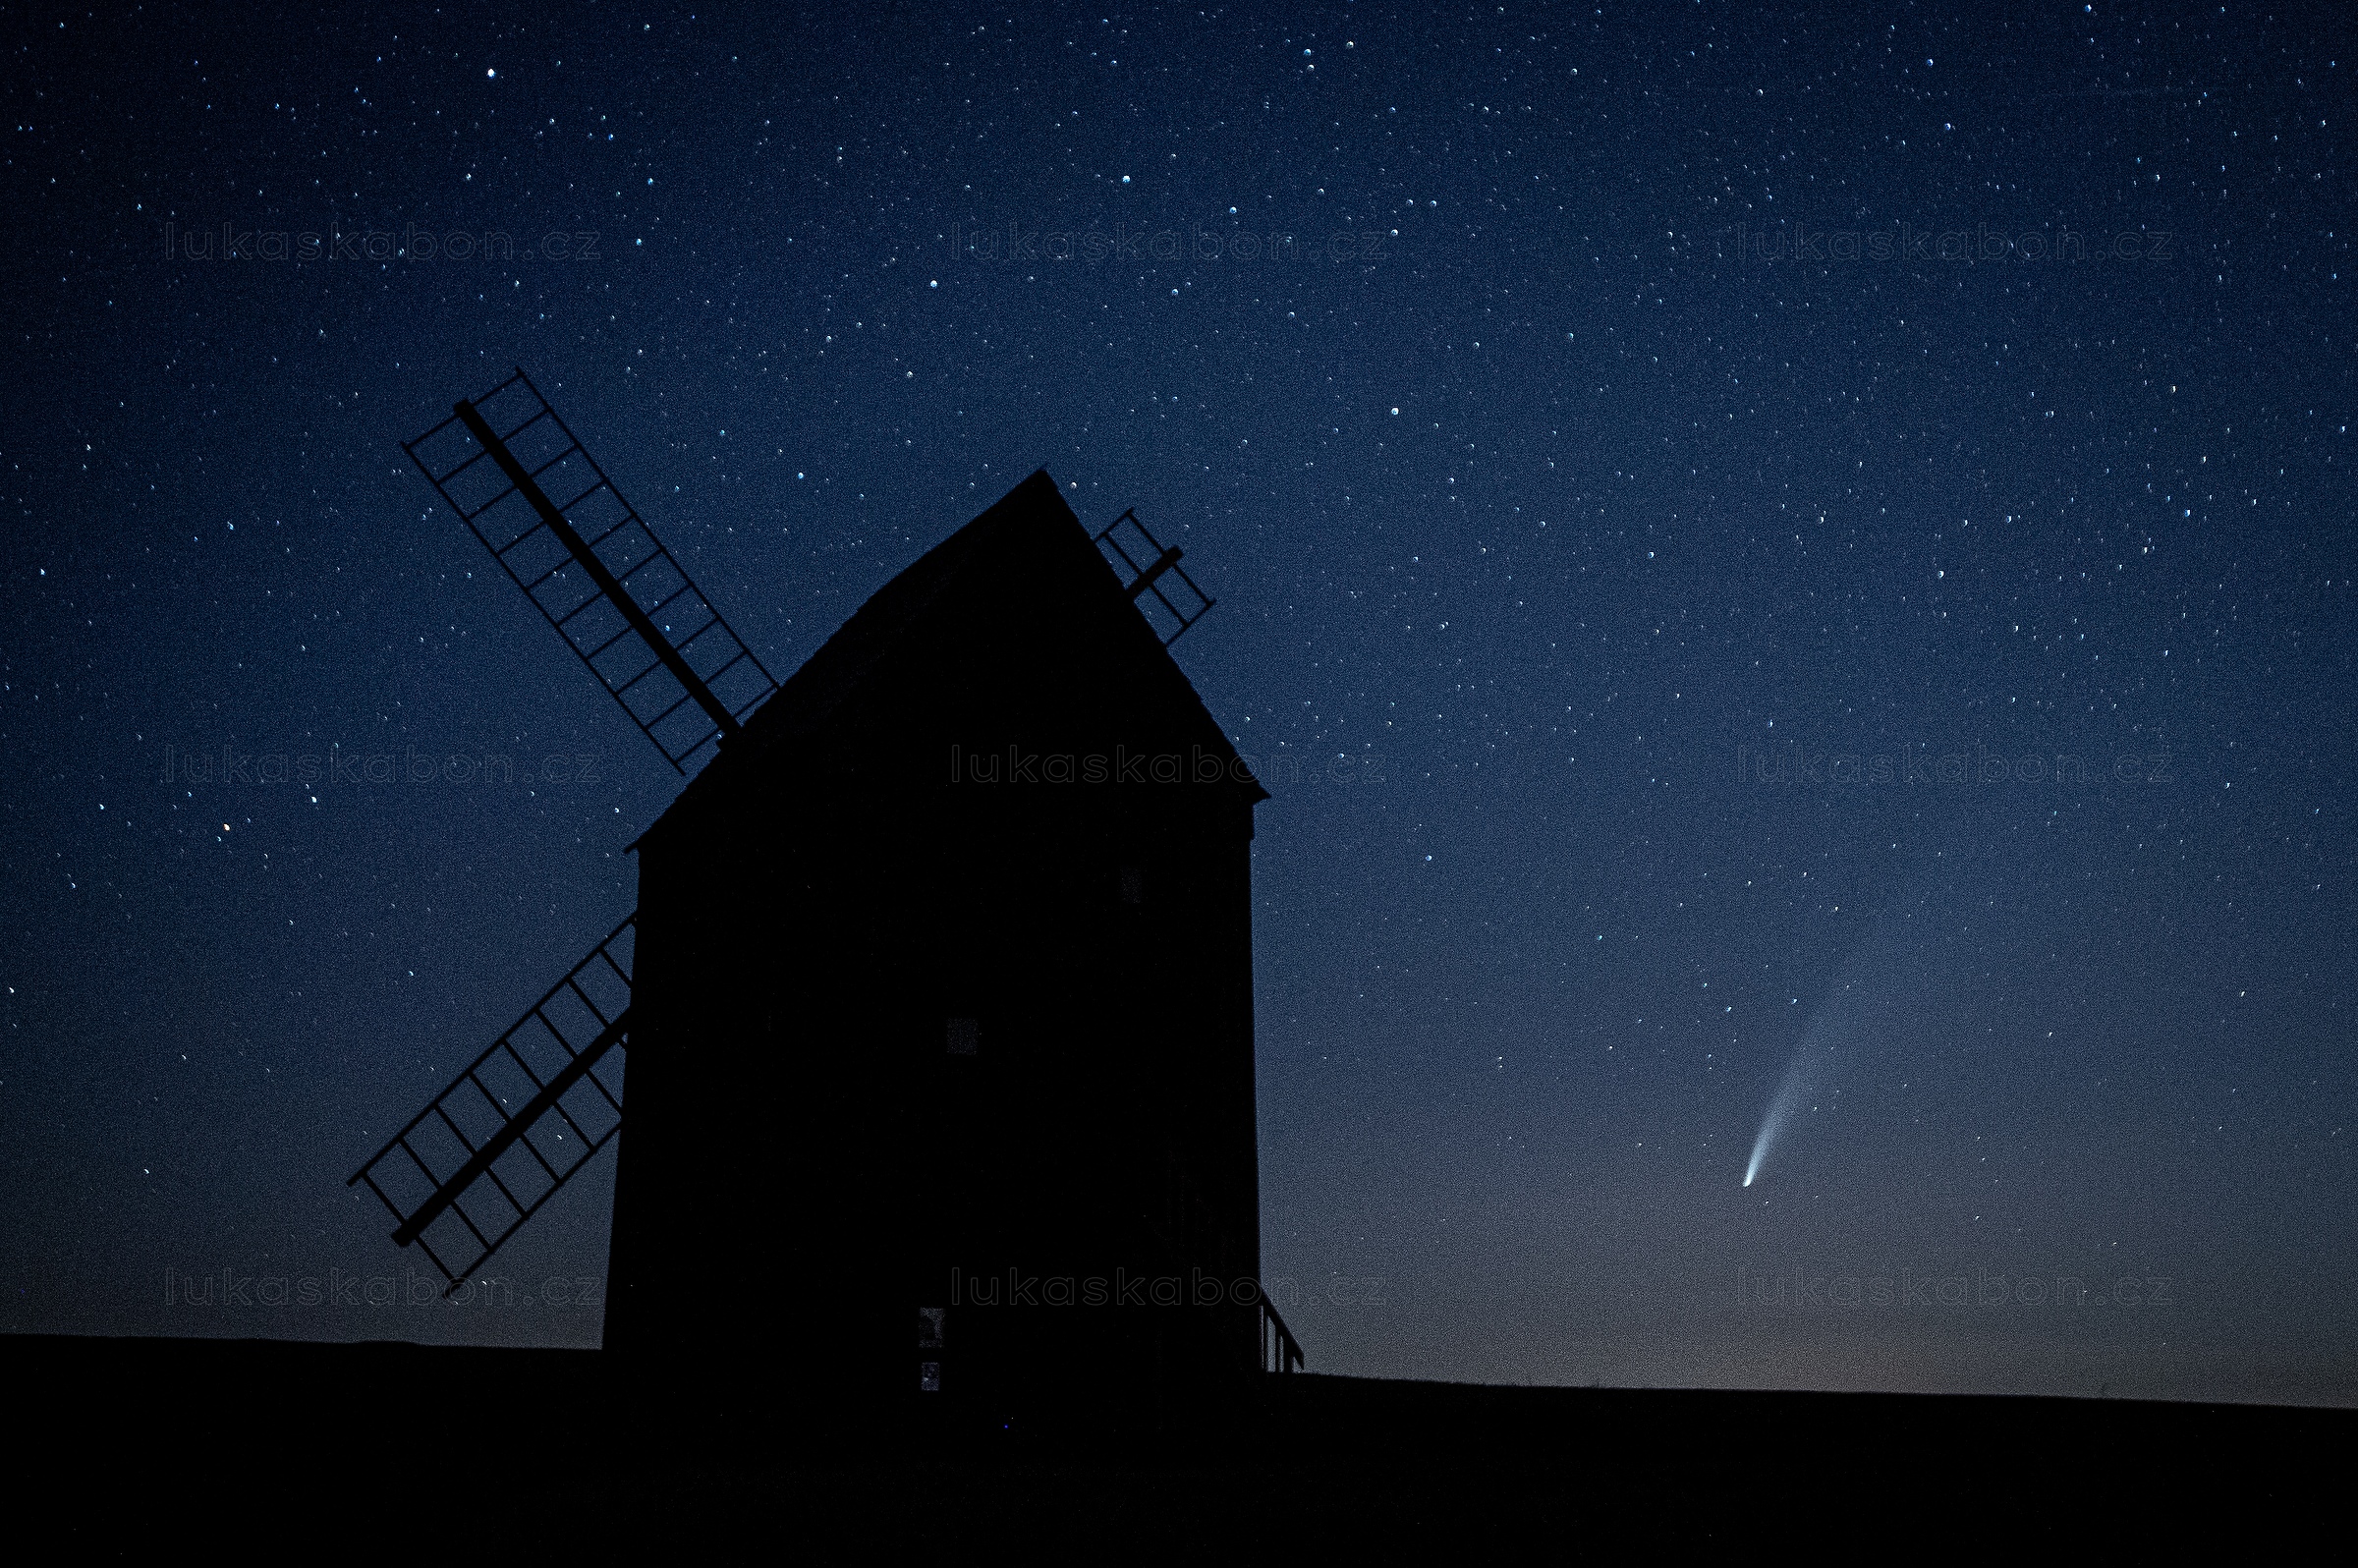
592, 564
518, 1124
1148, 566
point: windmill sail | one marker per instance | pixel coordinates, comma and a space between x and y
517, 476
518, 1124
1150, 570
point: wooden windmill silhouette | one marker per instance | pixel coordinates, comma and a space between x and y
939, 994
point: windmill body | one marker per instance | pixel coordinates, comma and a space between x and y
942, 1049
937, 1003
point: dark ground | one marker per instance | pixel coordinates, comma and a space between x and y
253, 1449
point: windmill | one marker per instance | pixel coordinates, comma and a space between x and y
1004, 630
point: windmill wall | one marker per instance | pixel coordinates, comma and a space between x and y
944, 1001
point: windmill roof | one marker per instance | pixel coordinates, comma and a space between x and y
1028, 537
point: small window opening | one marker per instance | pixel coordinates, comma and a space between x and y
931, 1321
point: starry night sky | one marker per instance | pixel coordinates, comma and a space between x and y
1676, 480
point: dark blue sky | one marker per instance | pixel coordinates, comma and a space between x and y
1753, 549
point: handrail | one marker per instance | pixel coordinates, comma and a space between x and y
1281, 1351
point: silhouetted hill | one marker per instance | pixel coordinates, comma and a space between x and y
387, 1449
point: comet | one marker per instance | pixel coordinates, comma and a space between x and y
1862, 1008
1781, 1109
